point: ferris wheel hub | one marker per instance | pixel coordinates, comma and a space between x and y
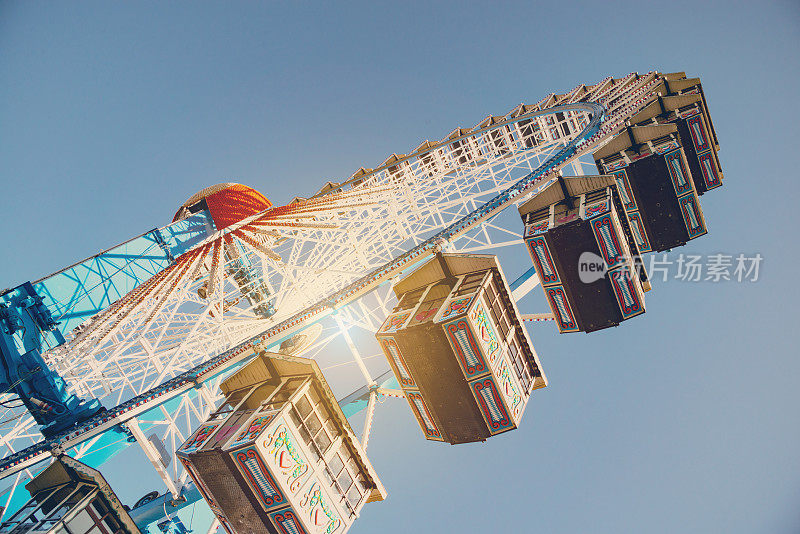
227, 203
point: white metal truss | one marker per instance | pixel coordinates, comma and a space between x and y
299, 255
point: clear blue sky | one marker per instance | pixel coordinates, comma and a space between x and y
113, 113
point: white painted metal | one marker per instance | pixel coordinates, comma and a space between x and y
368, 421
525, 288
152, 455
354, 351
398, 393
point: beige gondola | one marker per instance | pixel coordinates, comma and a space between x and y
680, 101
279, 454
459, 350
655, 185
584, 253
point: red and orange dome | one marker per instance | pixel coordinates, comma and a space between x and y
227, 203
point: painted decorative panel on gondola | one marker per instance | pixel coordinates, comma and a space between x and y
254, 427
586, 256
282, 457
462, 358
680, 101
199, 437
656, 184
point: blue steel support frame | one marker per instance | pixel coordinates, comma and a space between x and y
79, 291
35, 316
25, 325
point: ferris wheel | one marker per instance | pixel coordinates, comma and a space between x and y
136, 339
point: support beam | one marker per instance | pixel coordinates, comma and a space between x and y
368, 422
354, 350
153, 455
538, 317
524, 284
397, 393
